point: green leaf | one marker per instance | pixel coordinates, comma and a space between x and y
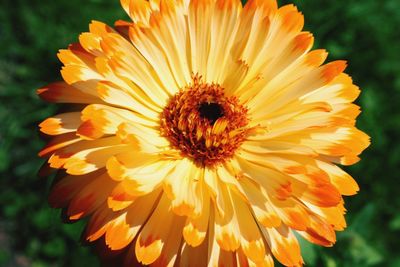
54, 248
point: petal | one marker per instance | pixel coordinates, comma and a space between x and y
332, 215
119, 234
119, 199
62, 92
223, 27
172, 245
139, 177
90, 197
213, 248
320, 193
292, 212
279, 95
127, 63
99, 120
276, 184
98, 223
279, 162
227, 232
59, 142
66, 188
118, 96
269, 33
287, 114
61, 123
120, 165
91, 41
228, 174
243, 261
284, 245
319, 232
140, 10
343, 181
92, 159
227, 258
86, 156
79, 66
277, 89
121, 231
194, 256
199, 27
122, 27
185, 188
135, 217
156, 232
168, 32
341, 141
260, 204
251, 241
253, 33
340, 90
108, 65
146, 139
195, 229
211, 180
252, 145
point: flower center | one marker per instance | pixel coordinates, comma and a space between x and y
204, 124
211, 111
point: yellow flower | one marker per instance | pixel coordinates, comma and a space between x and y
203, 133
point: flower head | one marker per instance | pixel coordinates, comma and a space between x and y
203, 133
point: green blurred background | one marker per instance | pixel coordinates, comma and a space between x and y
366, 33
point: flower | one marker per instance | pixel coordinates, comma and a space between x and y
203, 133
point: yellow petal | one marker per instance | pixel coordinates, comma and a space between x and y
223, 27
184, 186
139, 179
284, 245
60, 124
251, 241
86, 156
134, 217
91, 159
146, 139
320, 232
119, 233
78, 66
195, 229
343, 181
155, 233
140, 10
126, 62
292, 212
333, 215
262, 209
118, 96
172, 246
227, 232
194, 256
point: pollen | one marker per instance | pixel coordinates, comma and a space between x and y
204, 124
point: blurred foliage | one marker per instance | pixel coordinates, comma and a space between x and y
363, 32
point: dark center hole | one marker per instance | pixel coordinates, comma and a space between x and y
211, 111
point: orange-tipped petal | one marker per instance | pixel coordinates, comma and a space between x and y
284, 245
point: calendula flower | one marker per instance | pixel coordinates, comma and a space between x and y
203, 133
